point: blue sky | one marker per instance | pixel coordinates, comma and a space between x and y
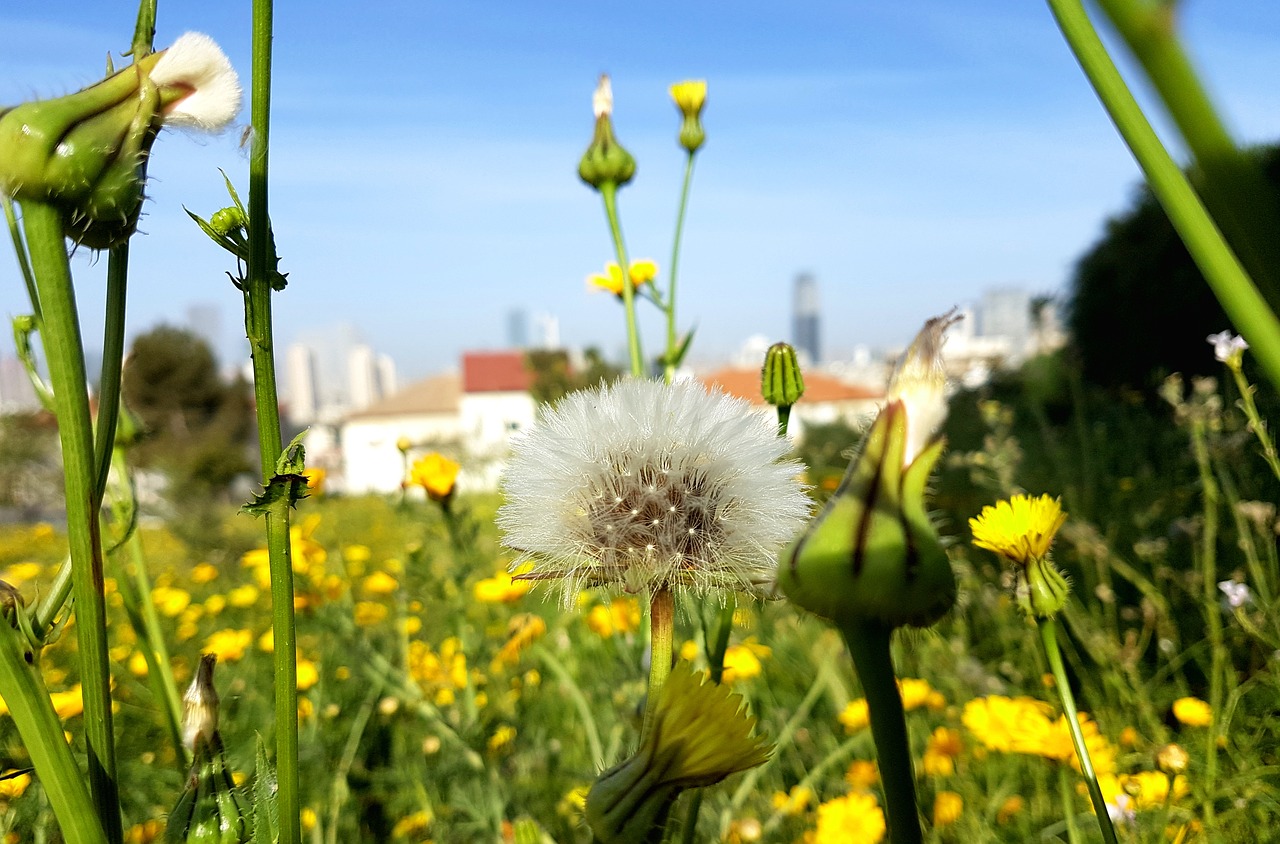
424, 157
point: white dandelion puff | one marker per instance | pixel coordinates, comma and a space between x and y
645, 486
197, 63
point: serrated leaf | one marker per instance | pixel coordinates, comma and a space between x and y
266, 821
288, 483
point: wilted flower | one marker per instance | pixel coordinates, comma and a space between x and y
1228, 348
647, 486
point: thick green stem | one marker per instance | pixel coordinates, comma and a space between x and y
784, 419
868, 643
1233, 186
258, 327
64, 354
662, 623
32, 711
609, 192
1212, 615
1239, 296
104, 437
1049, 638
144, 30
673, 338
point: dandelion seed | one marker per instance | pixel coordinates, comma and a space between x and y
648, 486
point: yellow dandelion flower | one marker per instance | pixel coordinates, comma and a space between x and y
643, 271
690, 95
501, 738
793, 802
243, 596
1192, 712
315, 480
369, 613
412, 826
308, 819
204, 573
502, 588
228, 645
941, 752
854, 817
436, 474
13, 784
855, 716
1010, 808
68, 704
862, 775
308, 674
740, 663
169, 601
1020, 529
947, 807
917, 693
379, 583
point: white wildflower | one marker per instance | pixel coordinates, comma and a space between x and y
1237, 593
1227, 346
646, 485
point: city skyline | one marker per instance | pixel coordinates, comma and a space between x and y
909, 157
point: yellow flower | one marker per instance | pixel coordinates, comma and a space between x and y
144, 833
243, 596
1009, 808
412, 826
941, 752
138, 665
379, 583
307, 819
204, 573
917, 693
643, 271
315, 480
1150, 789
502, 737
12, 784
170, 602
690, 95
307, 674
619, 617
1021, 529
793, 802
947, 807
502, 588
436, 474
1192, 711
855, 716
68, 704
854, 817
523, 631
369, 613
1023, 725
742, 662
862, 775
228, 645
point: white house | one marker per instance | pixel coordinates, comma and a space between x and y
826, 399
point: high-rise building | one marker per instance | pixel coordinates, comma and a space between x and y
517, 329
804, 317
304, 399
362, 375
546, 332
1006, 312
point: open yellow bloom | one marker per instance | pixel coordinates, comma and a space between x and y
436, 474
690, 95
1021, 529
947, 807
1192, 711
643, 271
854, 817
502, 588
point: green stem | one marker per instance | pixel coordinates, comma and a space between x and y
609, 192
144, 30
673, 340
258, 327
1234, 188
716, 648
32, 711
20, 250
1067, 797
784, 419
1234, 289
1209, 601
868, 643
64, 354
1256, 423
580, 703
112, 365
1049, 638
662, 620
340, 790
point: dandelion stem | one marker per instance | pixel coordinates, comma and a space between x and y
868, 643
104, 438
1213, 617
64, 354
1068, 807
258, 327
20, 250
673, 340
609, 192
1229, 281
662, 619
1049, 638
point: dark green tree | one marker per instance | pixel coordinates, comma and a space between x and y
1139, 306
554, 375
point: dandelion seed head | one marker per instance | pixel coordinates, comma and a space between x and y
196, 62
644, 485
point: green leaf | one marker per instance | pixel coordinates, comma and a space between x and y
287, 484
266, 822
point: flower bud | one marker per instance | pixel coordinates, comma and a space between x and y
85, 153
699, 735
1040, 588
605, 161
873, 553
1172, 759
689, 97
781, 383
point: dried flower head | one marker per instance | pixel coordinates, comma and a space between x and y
646, 485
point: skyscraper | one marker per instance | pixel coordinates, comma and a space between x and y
804, 317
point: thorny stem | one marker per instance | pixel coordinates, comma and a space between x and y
1230, 283
869, 643
673, 339
64, 354
609, 192
1049, 638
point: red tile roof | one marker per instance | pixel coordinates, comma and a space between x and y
745, 384
492, 372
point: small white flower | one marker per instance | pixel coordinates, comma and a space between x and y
196, 62
646, 486
1238, 594
1227, 346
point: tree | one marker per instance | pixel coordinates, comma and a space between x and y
554, 375
1140, 307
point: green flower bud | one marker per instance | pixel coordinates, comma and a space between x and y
605, 161
208, 810
86, 153
781, 382
689, 97
873, 553
1041, 590
699, 735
